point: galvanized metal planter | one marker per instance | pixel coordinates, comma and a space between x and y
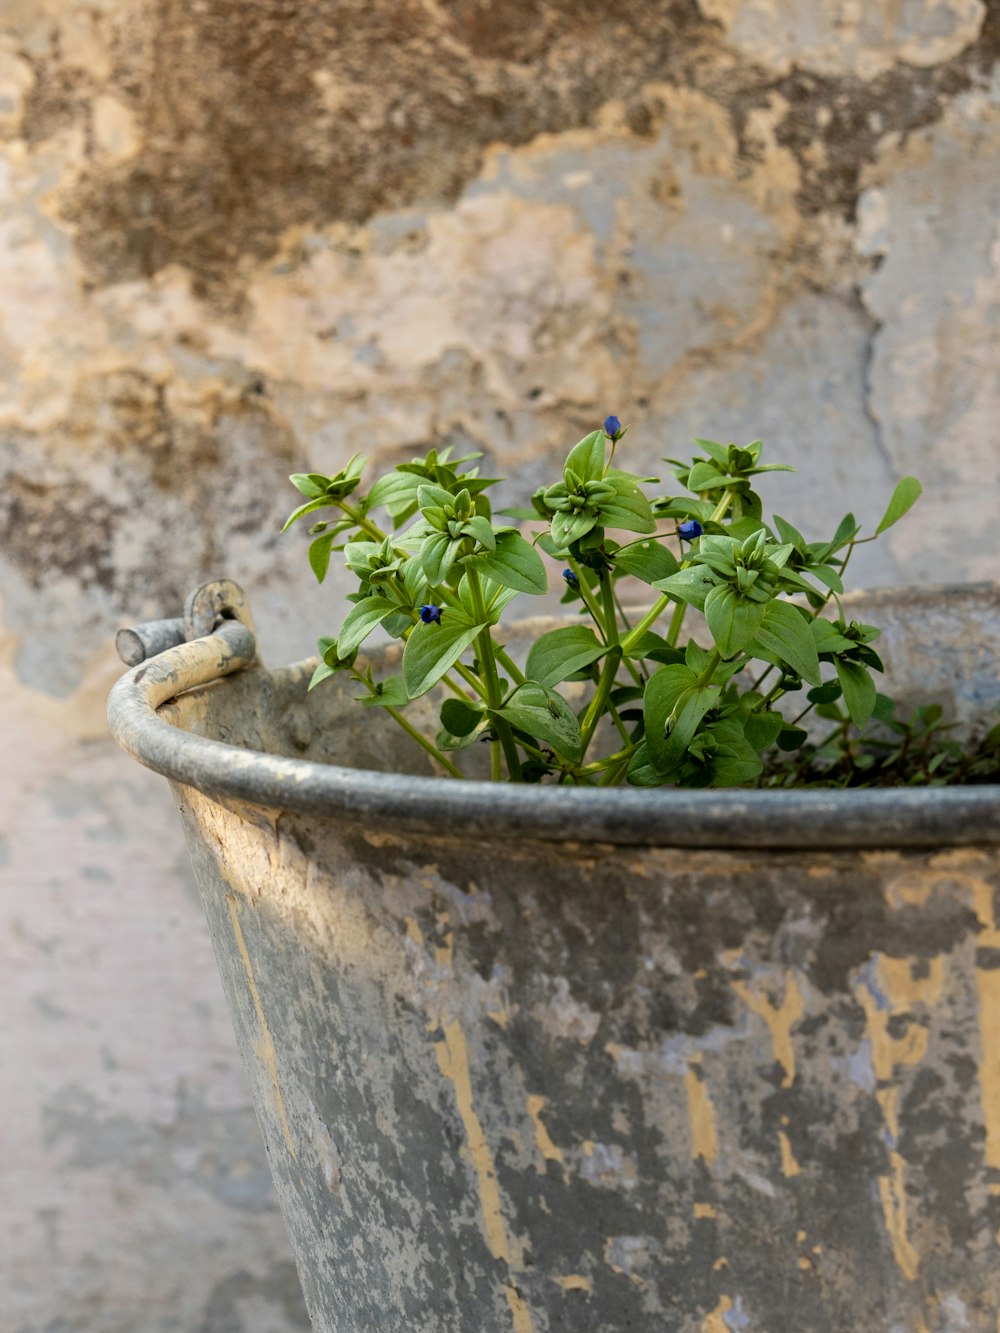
538, 1059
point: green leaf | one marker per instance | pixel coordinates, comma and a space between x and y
561, 653
437, 555
319, 554
692, 707
321, 673
706, 477
859, 690
629, 509
310, 507
664, 690
785, 632
736, 760
828, 576
787, 533
391, 694
514, 564
718, 452
431, 650
688, 585
641, 772
762, 729
311, 484
646, 560
792, 738
904, 497
826, 693
733, 620
481, 529
546, 715
460, 718
363, 617
569, 527
586, 459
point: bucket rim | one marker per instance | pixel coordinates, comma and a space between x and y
785, 818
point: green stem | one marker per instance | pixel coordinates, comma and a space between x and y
599, 765
363, 523
422, 741
661, 604
472, 680
610, 618
491, 679
599, 702
676, 621
588, 602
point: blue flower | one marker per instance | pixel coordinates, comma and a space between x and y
612, 428
689, 529
430, 615
571, 578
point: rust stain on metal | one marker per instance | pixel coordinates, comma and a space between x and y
453, 1061
988, 990
716, 1321
549, 1150
264, 1046
893, 991
780, 1019
789, 1165
575, 1282
701, 1113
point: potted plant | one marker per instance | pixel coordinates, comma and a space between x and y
686, 1020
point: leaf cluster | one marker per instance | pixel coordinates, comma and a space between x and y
437, 569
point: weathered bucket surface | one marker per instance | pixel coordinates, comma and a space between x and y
527, 1062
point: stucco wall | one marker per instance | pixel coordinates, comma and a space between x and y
245, 238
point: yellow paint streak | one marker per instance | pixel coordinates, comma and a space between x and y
715, 1323
704, 1210
701, 1114
720, 1263
780, 1019
414, 932
574, 1282
789, 1166
988, 989
264, 1045
519, 1311
453, 1061
903, 990
549, 1150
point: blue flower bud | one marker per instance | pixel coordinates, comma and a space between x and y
612, 428
571, 578
430, 615
689, 529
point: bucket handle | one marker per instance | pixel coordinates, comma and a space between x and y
214, 638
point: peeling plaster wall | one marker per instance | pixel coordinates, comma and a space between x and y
240, 239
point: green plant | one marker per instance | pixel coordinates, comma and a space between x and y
441, 568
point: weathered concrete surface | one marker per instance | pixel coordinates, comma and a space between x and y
238, 239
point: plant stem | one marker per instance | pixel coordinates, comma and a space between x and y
431, 749
591, 606
661, 604
491, 679
676, 621
599, 765
597, 705
363, 523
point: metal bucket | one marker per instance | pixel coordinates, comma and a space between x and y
600, 1060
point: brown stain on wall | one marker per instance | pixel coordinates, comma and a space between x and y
257, 116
